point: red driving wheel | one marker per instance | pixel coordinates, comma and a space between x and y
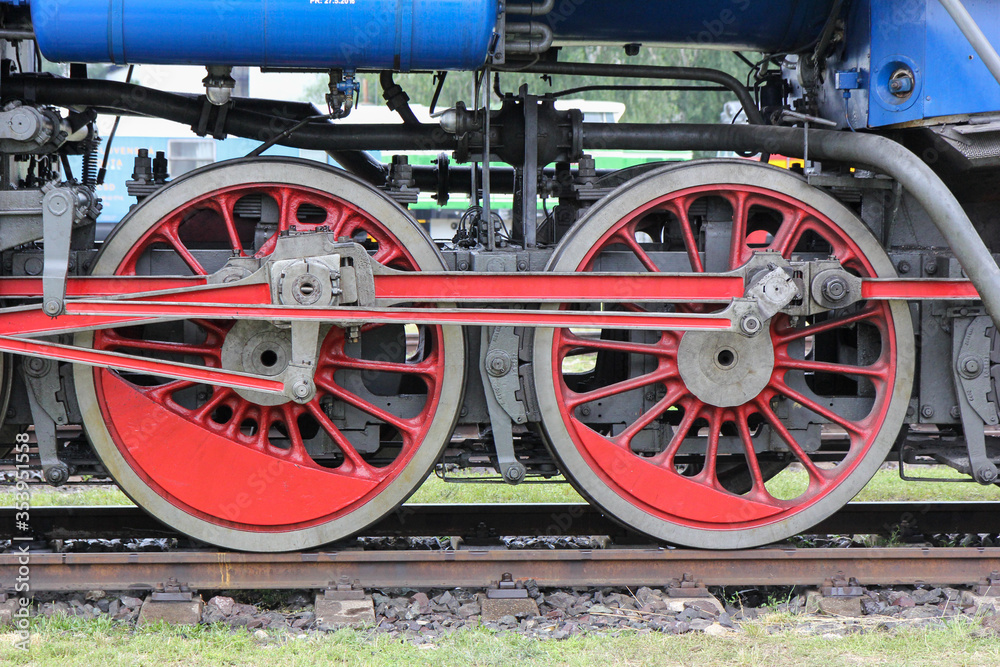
680, 434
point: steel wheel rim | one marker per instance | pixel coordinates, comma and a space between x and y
731, 528
307, 523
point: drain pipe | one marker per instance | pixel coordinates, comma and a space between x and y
854, 148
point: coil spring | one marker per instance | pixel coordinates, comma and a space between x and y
89, 174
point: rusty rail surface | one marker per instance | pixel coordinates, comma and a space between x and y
481, 568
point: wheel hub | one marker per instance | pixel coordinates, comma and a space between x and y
725, 369
259, 348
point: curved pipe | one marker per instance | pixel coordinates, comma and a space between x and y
244, 122
980, 43
532, 10
525, 38
397, 99
650, 72
870, 150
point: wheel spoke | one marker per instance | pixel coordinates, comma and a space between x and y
425, 368
164, 392
297, 446
680, 208
571, 341
666, 458
169, 235
225, 205
337, 391
359, 466
789, 439
737, 247
821, 410
788, 234
629, 239
205, 351
876, 370
753, 464
676, 392
783, 337
575, 399
709, 473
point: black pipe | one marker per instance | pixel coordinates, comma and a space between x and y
132, 99
397, 99
649, 72
358, 162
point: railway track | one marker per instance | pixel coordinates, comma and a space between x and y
484, 563
483, 522
213, 570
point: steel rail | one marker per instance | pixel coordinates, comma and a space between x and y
488, 521
210, 570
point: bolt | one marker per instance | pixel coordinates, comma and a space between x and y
514, 473
931, 268
354, 334
987, 474
971, 367
302, 389
56, 475
522, 265
498, 363
955, 412
52, 307
751, 325
464, 412
903, 267
36, 364
835, 289
585, 411
650, 396
11, 413
463, 265
910, 411
926, 412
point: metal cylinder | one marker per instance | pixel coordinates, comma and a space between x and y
401, 35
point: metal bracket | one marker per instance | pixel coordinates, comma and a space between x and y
498, 366
299, 384
344, 589
971, 350
989, 585
58, 208
772, 290
40, 379
172, 591
687, 587
839, 586
506, 589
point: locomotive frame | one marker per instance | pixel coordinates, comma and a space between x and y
270, 354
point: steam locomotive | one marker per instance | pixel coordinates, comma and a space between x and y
270, 353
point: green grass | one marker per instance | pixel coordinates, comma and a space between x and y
64, 641
886, 486
434, 490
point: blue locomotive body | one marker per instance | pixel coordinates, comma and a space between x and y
388, 34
